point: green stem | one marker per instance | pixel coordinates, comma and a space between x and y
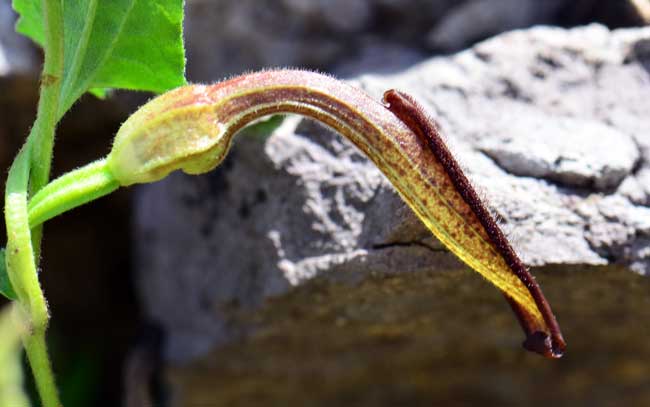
31, 168
20, 254
36, 350
41, 139
71, 190
21, 269
48, 104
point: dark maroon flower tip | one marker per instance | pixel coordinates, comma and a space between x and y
540, 342
545, 339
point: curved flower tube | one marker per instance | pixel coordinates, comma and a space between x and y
191, 128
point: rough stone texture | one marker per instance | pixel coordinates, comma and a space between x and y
304, 201
573, 152
361, 36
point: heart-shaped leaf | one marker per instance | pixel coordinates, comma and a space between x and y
127, 44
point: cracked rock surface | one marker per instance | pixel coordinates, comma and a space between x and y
550, 124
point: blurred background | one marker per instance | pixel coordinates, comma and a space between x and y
101, 339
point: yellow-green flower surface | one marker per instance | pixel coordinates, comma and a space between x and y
191, 128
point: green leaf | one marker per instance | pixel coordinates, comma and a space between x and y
265, 127
99, 93
127, 44
30, 22
6, 288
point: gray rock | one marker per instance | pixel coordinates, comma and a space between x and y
304, 202
637, 189
230, 36
470, 21
483, 18
580, 153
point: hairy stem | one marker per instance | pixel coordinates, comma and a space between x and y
36, 350
42, 144
19, 254
41, 139
70, 191
31, 168
24, 277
